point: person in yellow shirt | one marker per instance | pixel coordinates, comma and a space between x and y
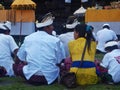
85, 72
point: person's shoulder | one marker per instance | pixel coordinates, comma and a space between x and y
109, 54
30, 35
54, 38
99, 30
63, 35
9, 36
69, 34
116, 51
111, 30
72, 42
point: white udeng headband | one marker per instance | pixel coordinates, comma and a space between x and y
106, 25
2, 26
71, 26
111, 43
8, 24
80, 10
46, 23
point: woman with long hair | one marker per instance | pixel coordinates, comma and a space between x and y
85, 69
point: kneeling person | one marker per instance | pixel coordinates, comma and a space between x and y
111, 61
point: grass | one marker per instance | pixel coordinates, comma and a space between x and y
17, 83
99, 56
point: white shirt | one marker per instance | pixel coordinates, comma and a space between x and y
84, 1
7, 46
67, 1
42, 52
66, 38
111, 61
103, 36
95, 36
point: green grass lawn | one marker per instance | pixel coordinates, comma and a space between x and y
17, 83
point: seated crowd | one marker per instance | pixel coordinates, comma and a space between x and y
43, 57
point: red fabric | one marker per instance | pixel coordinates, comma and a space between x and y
2, 71
99, 68
68, 62
35, 79
18, 69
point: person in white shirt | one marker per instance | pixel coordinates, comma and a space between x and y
8, 47
68, 35
41, 51
111, 61
103, 36
94, 34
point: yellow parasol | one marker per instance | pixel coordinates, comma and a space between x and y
23, 4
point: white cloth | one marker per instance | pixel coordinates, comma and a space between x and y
7, 46
66, 38
94, 35
84, 1
24, 28
42, 52
67, 1
80, 10
54, 33
119, 44
113, 25
112, 62
103, 36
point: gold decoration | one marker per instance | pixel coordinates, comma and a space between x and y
23, 5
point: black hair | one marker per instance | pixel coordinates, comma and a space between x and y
106, 26
91, 27
86, 32
2, 31
69, 30
110, 48
40, 29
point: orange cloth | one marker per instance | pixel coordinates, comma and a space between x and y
112, 15
3, 15
17, 15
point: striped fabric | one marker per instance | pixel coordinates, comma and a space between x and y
35, 79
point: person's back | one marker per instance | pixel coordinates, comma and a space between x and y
103, 36
68, 35
114, 64
111, 61
65, 38
7, 47
94, 34
86, 73
42, 51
